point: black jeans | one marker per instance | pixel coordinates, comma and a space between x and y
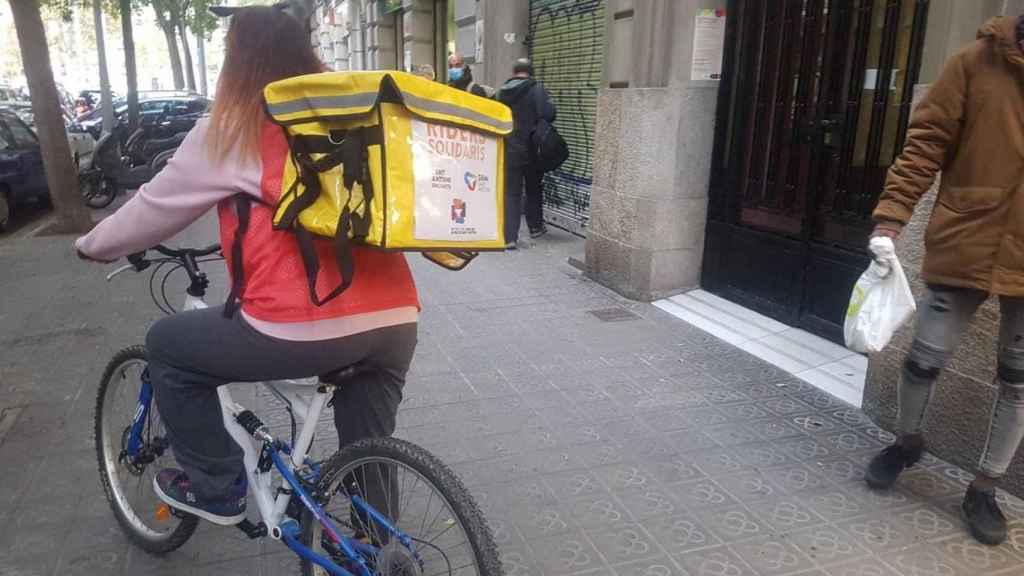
515, 177
192, 353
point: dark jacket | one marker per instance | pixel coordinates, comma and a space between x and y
969, 127
467, 84
530, 103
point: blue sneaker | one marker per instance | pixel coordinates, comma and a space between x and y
173, 487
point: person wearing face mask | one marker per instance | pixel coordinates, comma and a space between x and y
461, 76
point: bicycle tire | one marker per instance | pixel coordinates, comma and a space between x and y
187, 525
431, 469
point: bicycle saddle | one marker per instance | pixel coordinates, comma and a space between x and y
339, 376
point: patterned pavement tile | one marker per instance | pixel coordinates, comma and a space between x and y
574, 485
925, 522
816, 423
690, 440
879, 532
1015, 537
839, 469
862, 567
717, 561
680, 533
597, 512
734, 523
701, 494
772, 556
763, 454
661, 566
672, 470
923, 561
827, 545
719, 462
732, 434
686, 419
519, 562
774, 428
794, 479
928, 485
627, 476
805, 449
648, 502
749, 487
785, 514
834, 503
969, 554
745, 411
566, 554
625, 543
542, 519
850, 441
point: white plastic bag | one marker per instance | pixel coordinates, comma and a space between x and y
881, 301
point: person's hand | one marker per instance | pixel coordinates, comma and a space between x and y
83, 256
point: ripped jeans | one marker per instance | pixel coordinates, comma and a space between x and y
943, 318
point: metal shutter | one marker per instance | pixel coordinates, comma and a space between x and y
567, 49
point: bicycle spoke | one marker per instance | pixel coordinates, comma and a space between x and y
452, 570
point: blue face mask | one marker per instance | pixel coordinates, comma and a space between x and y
455, 74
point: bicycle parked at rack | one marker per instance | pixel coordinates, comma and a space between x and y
376, 507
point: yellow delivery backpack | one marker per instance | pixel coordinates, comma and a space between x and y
389, 160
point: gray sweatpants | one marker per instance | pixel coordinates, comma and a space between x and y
192, 353
944, 316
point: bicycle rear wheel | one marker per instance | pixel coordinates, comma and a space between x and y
128, 482
417, 494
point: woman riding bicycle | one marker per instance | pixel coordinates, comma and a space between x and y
278, 333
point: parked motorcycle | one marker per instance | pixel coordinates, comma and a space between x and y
123, 161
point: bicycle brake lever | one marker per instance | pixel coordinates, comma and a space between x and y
138, 261
124, 268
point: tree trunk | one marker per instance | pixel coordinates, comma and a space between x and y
167, 24
61, 176
190, 75
129, 63
106, 100
201, 63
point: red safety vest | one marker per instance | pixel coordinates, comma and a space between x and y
275, 287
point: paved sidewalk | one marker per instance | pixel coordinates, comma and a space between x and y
600, 436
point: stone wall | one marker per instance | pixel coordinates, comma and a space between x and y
652, 153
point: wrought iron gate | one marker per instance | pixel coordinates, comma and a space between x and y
567, 48
812, 112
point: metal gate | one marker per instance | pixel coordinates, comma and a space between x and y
812, 112
567, 48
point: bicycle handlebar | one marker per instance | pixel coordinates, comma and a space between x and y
185, 252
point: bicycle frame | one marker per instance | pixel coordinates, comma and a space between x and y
307, 403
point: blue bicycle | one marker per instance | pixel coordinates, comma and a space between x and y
377, 507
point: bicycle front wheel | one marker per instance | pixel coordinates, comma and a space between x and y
417, 494
128, 481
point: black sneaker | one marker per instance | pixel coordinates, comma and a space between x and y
984, 518
538, 232
886, 467
173, 487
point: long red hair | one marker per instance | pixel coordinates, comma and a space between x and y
264, 44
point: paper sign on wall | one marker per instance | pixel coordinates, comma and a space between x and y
455, 172
708, 44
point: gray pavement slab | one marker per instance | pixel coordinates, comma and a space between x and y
600, 436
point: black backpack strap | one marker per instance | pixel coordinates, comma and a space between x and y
342, 255
243, 206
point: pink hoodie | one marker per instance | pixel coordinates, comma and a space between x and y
190, 185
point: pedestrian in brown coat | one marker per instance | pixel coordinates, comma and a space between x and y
969, 127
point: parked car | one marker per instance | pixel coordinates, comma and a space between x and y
173, 104
82, 143
21, 166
